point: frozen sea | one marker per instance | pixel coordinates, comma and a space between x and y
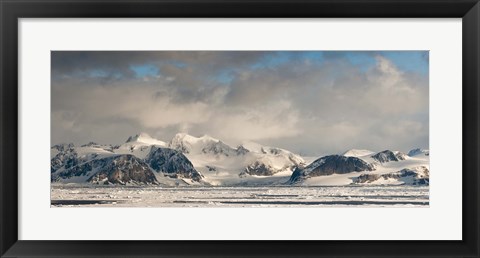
72, 195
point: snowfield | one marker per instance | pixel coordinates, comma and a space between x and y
82, 195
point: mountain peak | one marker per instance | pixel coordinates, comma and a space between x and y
187, 143
181, 138
145, 138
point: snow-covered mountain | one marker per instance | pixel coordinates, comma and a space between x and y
365, 167
411, 176
247, 164
137, 161
185, 159
189, 160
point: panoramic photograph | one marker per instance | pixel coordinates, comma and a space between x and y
239, 129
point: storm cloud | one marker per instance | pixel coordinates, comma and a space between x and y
310, 102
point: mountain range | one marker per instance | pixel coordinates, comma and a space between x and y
206, 161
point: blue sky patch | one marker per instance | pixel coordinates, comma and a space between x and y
145, 70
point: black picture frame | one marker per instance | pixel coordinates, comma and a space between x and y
12, 10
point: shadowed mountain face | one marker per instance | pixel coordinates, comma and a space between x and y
328, 165
172, 163
387, 156
118, 169
66, 157
125, 169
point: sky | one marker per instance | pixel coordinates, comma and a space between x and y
309, 102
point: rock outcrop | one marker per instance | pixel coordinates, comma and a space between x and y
116, 169
328, 165
172, 163
387, 156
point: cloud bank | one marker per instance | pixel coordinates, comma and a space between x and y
310, 102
